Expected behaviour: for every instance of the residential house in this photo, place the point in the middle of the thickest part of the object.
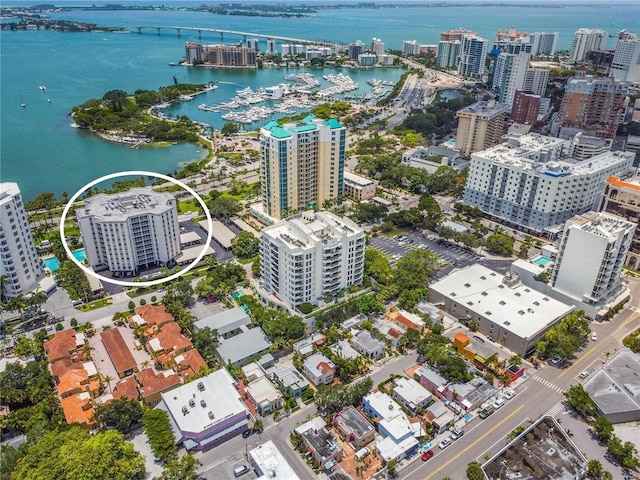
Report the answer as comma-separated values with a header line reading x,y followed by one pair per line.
x,y
264,396
319,369
153,385
243,348
126,388
67,344
410,394
368,345
320,442
357,429
168,343
344,350
253,372
305,347
189,363
118,352
290,381
440,416
77,408
404,319
80,377
431,380
150,317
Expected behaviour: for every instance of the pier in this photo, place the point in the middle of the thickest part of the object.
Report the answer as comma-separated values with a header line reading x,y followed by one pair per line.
x,y
222,33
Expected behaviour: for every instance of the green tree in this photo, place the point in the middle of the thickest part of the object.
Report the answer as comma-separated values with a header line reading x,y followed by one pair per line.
x,y
580,400
224,207
500,244
258,425
8,459
474,471
245,245
160,435
180,292
392,468
119,413
184,468
205,340
594,468
368,304
73,453
603,428
625,453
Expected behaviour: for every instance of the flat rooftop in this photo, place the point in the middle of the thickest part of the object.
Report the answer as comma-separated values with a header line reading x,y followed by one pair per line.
x,y
357,179
542,451
207,401
243,345
225,321
601,224
521,310
352,421
270,464
120,206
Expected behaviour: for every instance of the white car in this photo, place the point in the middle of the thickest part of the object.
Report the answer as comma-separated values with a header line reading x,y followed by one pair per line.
x,y
594,336
498,403
509,394
444,443
583,374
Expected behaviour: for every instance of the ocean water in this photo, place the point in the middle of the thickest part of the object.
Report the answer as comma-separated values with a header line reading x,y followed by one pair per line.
x,y
40,151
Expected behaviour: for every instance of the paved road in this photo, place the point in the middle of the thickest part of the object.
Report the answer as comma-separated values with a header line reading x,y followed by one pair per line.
x,y
218,463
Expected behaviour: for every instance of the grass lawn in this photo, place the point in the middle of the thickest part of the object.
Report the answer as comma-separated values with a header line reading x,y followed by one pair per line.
x,y
94,305
190,205
396,231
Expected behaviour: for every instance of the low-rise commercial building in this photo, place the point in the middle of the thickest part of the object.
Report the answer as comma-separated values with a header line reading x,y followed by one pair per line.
x,y
357,187
320,442
225,322
264,396
513,314
269,463
615,388
243,348
205,412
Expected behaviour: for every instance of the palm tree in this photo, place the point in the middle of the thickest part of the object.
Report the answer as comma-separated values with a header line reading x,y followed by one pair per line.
x,y
107,379
17,304
145,364
4,281
37,299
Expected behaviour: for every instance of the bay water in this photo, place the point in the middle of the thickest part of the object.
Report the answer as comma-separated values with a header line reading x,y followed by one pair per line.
x,y
40,151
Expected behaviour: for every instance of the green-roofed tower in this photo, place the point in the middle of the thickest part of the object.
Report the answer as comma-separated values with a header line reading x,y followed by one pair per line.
x,y
302,164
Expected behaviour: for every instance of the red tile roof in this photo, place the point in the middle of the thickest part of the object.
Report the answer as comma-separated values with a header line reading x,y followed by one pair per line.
x,y
395,333
62,366
153,383
154,314
77,409
61,345
171,339
127,388
118,351
191,363
324,367
406,322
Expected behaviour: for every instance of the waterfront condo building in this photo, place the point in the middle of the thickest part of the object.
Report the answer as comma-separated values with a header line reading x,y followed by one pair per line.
x,y
543,43
480,126
220,55
410,47
125,231
19,262
509,75
626,59
621,197
449,47
596,103
529,182
302,164
591,254
535,81
304,258
584,40
473,54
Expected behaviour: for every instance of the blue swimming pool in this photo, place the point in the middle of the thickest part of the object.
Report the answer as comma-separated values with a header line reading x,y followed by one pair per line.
x,y
542,261
53,264
236,294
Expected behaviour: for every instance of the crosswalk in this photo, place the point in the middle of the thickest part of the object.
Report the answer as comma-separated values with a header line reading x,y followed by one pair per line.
x,y
556,409
547,383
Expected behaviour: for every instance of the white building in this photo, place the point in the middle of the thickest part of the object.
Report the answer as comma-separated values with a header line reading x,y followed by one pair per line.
x,y
529,183
367,59
448,54
505,310
301,164
509,75
125,231
377,46
626,60
473,55
410,394
535,81
19,261
269,463
543,43
271,46
592,252
410,47
312,255
206,411
584,40
253,43
286,49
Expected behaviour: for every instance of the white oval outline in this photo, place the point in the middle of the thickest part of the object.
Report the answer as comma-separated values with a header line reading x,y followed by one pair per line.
x,y
126,174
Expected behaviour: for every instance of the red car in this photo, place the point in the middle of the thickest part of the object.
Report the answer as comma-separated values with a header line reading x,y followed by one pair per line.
x,y
427,455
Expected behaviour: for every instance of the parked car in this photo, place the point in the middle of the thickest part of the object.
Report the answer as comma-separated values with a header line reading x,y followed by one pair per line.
x,y
557,360
486,411
509,394
444,443
247,433
497,404
583,374
427,455
594,336
457,434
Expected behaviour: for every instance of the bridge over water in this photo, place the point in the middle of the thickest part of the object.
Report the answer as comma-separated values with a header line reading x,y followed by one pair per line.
x,y
222,33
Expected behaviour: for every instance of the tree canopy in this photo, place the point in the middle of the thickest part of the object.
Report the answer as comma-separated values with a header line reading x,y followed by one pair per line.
x,y
72,453
160,435
245,245
120,413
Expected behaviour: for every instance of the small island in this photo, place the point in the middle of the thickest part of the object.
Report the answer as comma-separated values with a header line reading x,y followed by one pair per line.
x,y
134,118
